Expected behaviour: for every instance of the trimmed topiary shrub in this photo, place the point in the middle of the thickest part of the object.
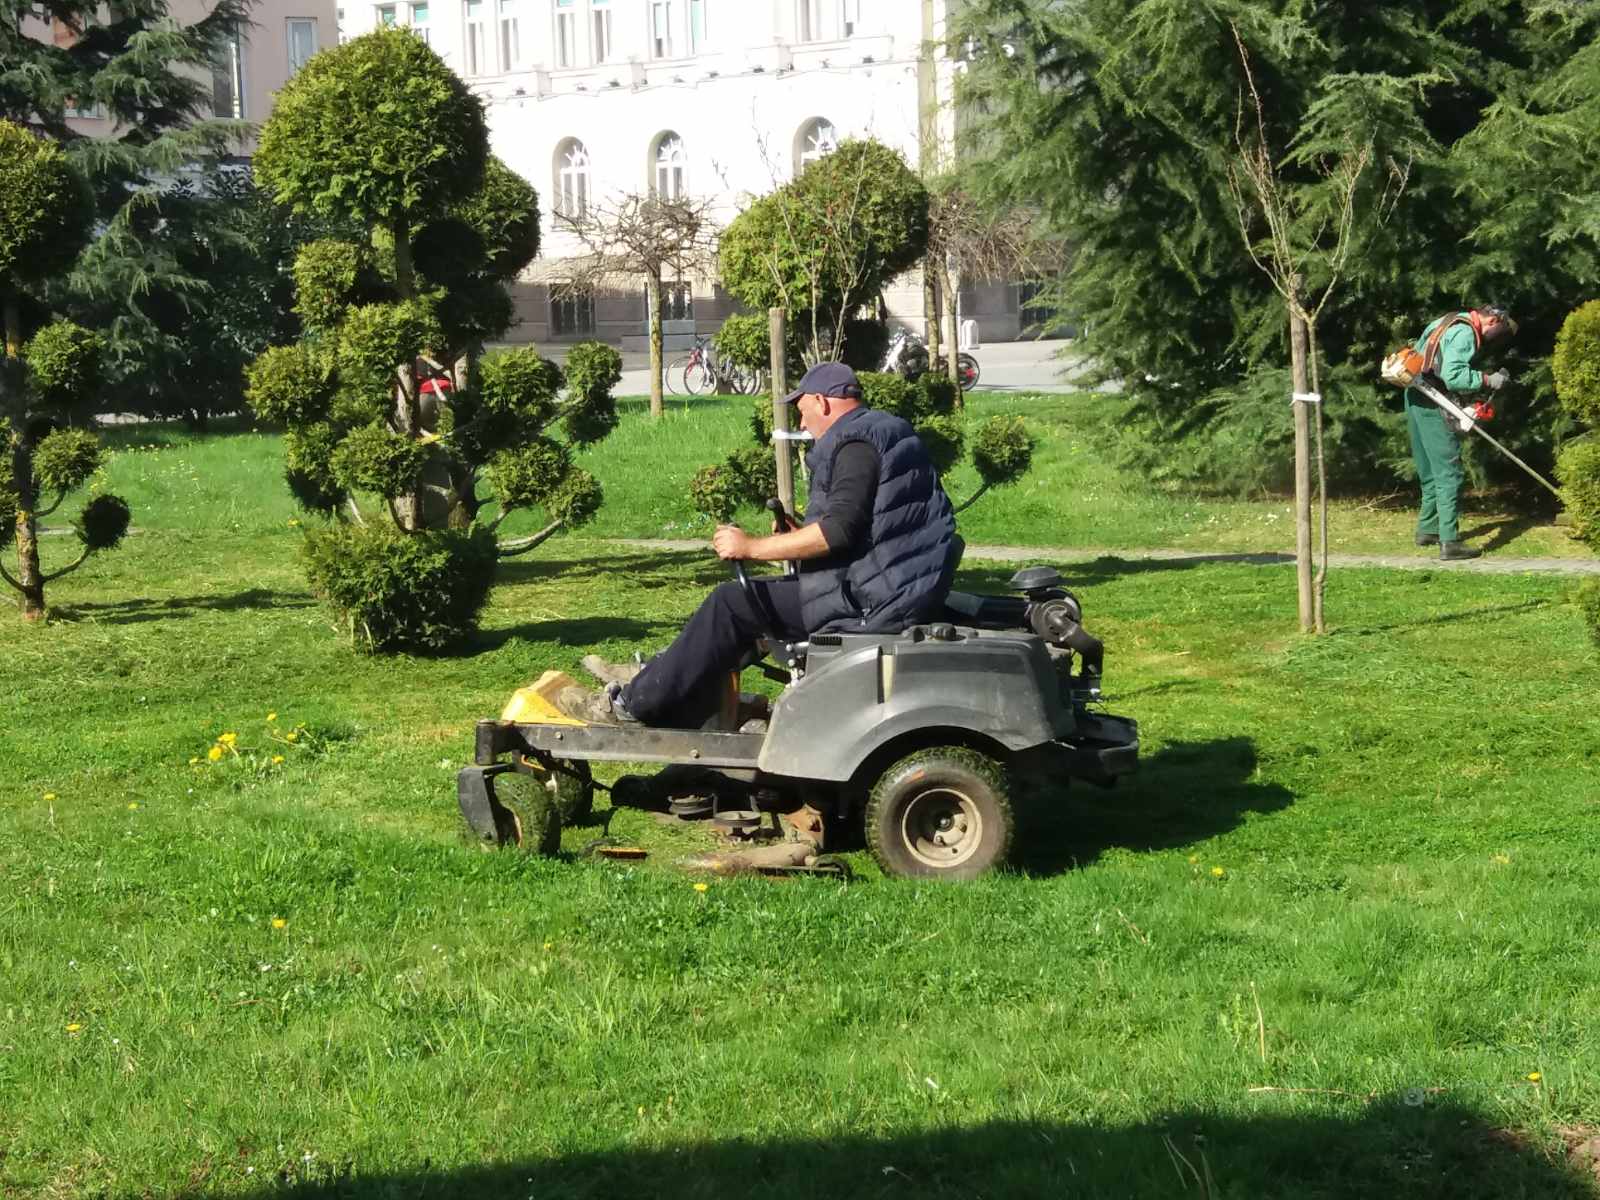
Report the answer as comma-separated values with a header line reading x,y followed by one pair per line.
x,y
1576,363
1576,367
865,344
1578,472
1588,600
745,339
393,590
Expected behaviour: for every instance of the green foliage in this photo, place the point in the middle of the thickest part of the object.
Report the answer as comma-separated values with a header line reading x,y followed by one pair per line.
x,y
377,339
103,522
888,392
1588,600
865,344
1578,472
392,590
829,240
748,475
329,275
378,130
592,370
1576,363
503,215
529,474
376,459
65,364
8,488
308,467
64,459
521,383
576,499
46,208
944,438
1002,450
288,385
745,340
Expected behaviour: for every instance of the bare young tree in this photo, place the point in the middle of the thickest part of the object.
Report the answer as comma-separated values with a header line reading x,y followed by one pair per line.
x,y
638,235
1293,251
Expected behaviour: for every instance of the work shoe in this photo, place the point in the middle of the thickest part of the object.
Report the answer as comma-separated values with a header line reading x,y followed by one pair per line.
x,y
1457,552
597,708
1427,539
607,672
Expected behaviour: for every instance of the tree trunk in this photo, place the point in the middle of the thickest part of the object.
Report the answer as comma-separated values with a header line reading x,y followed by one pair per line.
x,y
30,580
950,285
1319,586
652,292
13,319
1302,472
778,358
930,309
408,509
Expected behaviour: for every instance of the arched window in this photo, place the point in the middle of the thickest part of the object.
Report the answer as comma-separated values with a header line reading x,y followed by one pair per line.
x,y
671,168
572,178
817,139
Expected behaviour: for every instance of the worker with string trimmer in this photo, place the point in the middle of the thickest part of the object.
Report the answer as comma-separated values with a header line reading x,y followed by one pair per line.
x,y
1437,365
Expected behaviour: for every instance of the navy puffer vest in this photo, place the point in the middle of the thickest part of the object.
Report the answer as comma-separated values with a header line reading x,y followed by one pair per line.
x,y
902,572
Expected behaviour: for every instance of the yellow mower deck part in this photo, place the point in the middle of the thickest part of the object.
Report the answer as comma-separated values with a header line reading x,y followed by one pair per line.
x,y
536,703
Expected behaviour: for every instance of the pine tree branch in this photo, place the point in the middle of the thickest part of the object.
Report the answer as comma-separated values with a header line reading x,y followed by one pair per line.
x,y
970,500
52,576
523,545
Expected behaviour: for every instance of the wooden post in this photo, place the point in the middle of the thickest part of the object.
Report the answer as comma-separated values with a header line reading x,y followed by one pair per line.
x,y
777,325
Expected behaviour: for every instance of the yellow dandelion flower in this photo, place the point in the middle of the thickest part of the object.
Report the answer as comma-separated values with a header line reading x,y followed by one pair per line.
x,y
228,739
1194,858
292,736
700,887
195,761
1501,859
74,1027
272,716
132,804
278,922
549,945
49,797
1534,1077
276,759
1217,872
214,754
293,523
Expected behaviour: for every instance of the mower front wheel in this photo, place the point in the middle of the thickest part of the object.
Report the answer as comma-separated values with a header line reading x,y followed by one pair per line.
x,y
569,784
528,816
941,813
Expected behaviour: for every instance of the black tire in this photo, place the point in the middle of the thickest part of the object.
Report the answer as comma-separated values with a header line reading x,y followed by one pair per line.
x,y
942,813
533,818
967,369
674,370
573,796
698,378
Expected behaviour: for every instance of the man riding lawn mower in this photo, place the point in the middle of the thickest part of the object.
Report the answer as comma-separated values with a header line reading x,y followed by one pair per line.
x,y
898,692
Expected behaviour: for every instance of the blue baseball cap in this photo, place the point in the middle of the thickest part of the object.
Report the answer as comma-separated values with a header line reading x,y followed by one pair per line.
x,y
827,379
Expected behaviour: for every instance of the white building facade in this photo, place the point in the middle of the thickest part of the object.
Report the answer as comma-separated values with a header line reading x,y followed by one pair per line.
x,y
717,99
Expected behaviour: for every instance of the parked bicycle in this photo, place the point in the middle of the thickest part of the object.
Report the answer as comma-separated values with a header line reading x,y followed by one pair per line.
x,y
907,356
702,371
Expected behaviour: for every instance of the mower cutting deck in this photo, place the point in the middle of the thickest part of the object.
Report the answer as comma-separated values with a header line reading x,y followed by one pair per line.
x,y
916,732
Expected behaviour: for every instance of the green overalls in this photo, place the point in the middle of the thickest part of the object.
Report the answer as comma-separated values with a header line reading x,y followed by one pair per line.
x,y
1435,447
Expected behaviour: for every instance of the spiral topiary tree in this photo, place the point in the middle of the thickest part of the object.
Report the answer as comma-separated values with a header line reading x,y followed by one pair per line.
x,y
1576,367
394,418
1000,448
45,216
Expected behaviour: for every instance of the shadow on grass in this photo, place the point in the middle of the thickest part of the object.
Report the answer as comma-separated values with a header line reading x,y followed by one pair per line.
x,y
1469,614
139,609
576,631
1184,793
688,567
1503,531
1385,1148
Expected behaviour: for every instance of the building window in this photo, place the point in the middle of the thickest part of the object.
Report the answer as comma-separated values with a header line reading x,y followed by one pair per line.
x,y
572,178
571,312
600,44
566,34
661,28
227,80
477,42
302,41
677,300
697,26
386,16
808,20
849,17
817,139
339,26
510,42
672,168
419,23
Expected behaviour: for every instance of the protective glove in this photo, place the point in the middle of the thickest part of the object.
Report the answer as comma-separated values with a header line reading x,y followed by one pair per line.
x,y
1495,380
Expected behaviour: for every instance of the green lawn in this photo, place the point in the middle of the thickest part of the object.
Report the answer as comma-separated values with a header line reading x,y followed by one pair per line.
x,y
1332,941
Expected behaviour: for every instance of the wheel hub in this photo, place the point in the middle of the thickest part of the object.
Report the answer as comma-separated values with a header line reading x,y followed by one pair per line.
x,y
942,827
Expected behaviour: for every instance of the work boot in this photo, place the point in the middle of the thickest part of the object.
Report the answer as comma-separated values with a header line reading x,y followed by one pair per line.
x,y
1457,552
607,672
806,825
1427,539
597,708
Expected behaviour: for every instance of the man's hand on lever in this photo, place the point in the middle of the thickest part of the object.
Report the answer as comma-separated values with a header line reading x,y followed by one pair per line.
x,y
731,542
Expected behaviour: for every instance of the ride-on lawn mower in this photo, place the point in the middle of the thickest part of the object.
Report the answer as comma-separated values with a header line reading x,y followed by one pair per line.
x,y
915,733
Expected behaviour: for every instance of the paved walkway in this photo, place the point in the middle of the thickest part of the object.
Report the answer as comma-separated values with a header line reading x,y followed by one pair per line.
x,y
1493,564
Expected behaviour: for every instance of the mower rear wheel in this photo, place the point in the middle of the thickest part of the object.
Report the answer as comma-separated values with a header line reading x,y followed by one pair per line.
x,y
570,785
531,820
941,813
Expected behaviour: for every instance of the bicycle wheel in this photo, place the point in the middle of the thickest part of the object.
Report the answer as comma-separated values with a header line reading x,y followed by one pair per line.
x,y
967,370
673,372
697,376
